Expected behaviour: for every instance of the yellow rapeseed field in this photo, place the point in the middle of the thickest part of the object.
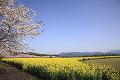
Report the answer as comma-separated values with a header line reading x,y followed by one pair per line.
x,y
64,68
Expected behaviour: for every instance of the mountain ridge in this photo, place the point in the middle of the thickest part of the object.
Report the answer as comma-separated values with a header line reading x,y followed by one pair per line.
x,y
88,53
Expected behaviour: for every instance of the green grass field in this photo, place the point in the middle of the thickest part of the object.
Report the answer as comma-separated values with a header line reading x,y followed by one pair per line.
x,y
114,62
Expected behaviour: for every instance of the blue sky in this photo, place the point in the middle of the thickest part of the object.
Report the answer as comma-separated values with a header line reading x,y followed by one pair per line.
x,y
76,25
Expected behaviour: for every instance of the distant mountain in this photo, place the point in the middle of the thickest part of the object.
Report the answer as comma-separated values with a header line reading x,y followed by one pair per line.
x,y
80,53
114,51
75,54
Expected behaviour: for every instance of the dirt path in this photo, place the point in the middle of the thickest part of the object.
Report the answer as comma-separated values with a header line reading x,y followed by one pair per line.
x,y
7,72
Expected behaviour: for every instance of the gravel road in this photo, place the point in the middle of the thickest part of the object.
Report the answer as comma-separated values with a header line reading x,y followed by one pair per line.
x,y
8,72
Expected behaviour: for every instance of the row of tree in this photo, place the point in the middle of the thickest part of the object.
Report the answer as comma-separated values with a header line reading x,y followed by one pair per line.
x,y
97,55
31,53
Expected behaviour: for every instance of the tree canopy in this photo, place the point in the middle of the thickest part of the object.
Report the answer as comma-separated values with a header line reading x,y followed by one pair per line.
x,y
16,23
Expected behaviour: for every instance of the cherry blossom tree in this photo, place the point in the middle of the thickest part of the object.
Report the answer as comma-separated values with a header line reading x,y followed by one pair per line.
x,y
16,23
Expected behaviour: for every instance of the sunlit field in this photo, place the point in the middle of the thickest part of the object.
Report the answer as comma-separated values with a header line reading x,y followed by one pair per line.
x,y
114,62
65,68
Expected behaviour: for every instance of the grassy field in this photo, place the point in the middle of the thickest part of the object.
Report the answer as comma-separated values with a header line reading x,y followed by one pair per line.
x,y
114,62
